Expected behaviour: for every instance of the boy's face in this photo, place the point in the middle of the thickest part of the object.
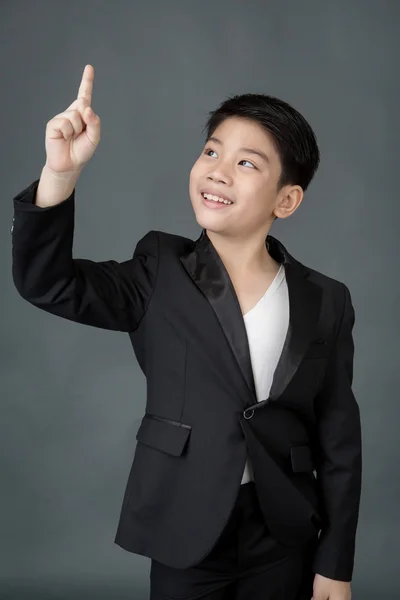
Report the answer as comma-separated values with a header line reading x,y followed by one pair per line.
x,y
248,180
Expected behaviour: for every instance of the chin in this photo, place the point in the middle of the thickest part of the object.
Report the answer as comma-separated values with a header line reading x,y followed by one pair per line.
x,y
211,222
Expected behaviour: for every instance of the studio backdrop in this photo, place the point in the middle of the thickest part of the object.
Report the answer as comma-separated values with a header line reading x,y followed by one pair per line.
x,y
72,396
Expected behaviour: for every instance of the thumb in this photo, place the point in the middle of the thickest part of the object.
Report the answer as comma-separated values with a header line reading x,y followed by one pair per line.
x,y
92,122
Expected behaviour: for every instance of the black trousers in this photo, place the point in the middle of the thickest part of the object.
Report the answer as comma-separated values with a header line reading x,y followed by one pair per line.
x,y
246,563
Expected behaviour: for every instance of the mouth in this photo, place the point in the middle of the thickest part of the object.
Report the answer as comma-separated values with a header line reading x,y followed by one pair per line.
x,y
214,201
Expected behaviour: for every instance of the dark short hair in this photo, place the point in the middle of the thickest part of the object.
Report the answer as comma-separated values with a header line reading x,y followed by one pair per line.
x,y
294,140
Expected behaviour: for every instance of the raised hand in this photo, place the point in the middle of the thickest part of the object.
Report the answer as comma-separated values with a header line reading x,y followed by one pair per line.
x,y
73,135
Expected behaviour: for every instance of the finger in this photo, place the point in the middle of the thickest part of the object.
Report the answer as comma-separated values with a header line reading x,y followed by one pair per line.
x,y
79,105
86,86
59,127
93,126
76,118
68,123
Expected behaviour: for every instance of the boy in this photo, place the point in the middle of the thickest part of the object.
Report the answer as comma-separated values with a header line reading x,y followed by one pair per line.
x,y
246,478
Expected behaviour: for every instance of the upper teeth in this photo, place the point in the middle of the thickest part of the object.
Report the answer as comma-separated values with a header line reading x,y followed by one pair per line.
x,y
216,199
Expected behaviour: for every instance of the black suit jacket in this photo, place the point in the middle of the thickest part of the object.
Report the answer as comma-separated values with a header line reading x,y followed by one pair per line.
x,y
176,301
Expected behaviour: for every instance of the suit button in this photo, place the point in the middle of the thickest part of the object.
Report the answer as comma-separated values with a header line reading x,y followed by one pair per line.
x,y
248,415
12,228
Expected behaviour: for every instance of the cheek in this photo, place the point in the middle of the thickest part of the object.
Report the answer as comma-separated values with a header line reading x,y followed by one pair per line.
x,y
255,200
192,181
197,175
195,171
193,186
192,176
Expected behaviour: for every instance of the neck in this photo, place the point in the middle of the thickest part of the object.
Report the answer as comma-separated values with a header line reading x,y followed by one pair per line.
x,y
243,256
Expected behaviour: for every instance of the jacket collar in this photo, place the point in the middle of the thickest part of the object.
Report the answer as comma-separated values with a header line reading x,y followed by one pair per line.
x,y
209,274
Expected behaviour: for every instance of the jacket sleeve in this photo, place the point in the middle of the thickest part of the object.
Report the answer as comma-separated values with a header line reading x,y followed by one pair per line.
x,y
339,456
109,294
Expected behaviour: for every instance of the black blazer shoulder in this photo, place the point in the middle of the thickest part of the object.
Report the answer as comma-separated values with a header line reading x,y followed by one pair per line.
x,y
335,292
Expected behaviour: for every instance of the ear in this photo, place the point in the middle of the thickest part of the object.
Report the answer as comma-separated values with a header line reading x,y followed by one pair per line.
x,y
288,201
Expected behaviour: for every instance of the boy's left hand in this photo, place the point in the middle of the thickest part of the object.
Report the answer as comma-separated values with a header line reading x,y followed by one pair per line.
x,y
330,589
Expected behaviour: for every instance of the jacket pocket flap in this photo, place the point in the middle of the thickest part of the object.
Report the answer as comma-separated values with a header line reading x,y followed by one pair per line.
x,y
162,434
301,458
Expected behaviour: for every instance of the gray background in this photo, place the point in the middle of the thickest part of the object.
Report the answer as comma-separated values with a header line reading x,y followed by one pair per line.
x,y
72,396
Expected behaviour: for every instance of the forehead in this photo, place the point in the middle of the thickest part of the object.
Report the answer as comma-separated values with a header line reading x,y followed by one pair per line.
x,y
238,131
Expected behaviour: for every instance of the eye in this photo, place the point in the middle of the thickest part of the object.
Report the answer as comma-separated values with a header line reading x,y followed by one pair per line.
x,y
208,150
247,161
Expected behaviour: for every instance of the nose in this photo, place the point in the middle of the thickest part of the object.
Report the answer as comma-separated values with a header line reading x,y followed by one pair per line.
x,y
220,174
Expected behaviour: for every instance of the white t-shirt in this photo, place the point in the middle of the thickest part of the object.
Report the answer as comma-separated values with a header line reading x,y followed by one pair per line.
x,y
267,325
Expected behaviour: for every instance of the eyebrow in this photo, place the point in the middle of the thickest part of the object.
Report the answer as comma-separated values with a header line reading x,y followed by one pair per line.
x,y
243,149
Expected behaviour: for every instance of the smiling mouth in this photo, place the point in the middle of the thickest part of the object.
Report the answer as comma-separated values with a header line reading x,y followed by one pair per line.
x,y
216,199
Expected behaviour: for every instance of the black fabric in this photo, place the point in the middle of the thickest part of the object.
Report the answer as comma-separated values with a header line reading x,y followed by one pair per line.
x,y
175,300
246,562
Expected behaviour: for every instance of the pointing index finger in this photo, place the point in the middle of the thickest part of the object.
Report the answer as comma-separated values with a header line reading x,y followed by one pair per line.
x,y
86,86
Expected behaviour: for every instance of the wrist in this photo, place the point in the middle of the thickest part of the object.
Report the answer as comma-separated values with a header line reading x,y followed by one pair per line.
x,y
54,187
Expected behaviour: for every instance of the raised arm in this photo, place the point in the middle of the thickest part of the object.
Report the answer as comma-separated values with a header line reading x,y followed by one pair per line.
x,y
107,294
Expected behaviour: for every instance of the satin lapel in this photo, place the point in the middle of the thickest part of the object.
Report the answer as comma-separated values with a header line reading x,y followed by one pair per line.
x,y
305,302
208,272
